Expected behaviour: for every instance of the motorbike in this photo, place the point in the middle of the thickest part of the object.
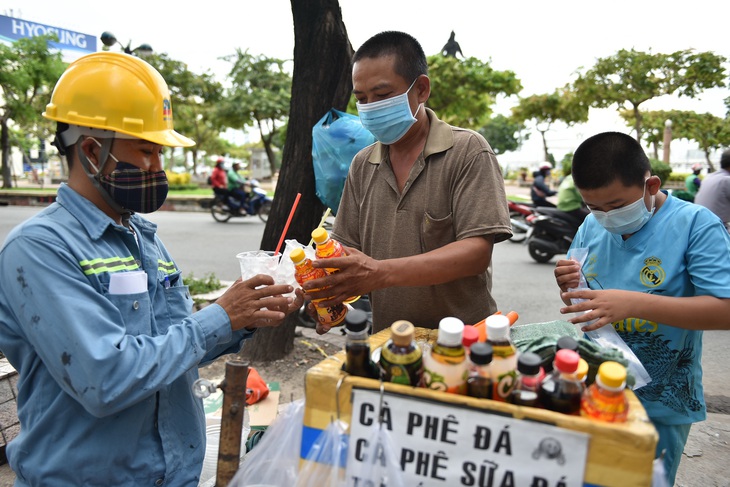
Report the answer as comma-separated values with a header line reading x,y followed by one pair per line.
x,y
551,233
226,206
518,213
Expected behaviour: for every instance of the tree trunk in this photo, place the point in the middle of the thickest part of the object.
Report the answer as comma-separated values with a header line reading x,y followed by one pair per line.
x,y
322,79
5,144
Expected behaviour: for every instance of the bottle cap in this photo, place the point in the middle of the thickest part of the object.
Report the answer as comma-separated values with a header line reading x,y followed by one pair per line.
x,y
528,363
497,327
481,353
566,361
402,332
470,336
320,235
582,370
356,320
297,255
451,331
612,375
566,343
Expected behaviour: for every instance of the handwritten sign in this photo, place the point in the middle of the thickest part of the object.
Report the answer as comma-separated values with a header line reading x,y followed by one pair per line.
x,y
446,445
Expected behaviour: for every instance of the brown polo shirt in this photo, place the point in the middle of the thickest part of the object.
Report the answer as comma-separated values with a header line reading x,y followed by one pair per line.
x,y
455,191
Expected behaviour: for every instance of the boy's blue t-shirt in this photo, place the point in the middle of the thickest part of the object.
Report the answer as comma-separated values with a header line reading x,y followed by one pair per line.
x,y
683,250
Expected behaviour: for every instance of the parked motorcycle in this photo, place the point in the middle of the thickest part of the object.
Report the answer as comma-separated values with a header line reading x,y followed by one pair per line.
x,y
518,213
226,206
551,233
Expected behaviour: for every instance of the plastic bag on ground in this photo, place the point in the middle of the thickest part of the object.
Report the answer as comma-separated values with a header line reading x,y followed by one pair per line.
x,y
607,336
274,461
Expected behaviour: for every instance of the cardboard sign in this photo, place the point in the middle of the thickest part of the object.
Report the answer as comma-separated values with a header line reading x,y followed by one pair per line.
x,y
445,445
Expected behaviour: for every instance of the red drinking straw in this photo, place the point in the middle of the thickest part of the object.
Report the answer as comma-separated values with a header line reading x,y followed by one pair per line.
x,y
288,221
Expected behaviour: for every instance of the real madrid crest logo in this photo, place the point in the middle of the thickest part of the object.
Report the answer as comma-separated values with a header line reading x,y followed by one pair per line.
x,y
652,273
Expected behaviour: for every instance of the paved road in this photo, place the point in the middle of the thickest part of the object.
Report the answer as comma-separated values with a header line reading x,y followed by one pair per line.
x,y
201,246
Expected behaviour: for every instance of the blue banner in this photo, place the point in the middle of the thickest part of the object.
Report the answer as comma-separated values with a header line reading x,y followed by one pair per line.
x,y
12,29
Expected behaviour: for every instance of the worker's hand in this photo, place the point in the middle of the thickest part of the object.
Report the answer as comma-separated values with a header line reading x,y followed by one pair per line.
x,y
249,307
358,275
603,306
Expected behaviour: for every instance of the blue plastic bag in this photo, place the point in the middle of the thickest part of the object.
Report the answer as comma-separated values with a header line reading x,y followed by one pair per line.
x,y
336,138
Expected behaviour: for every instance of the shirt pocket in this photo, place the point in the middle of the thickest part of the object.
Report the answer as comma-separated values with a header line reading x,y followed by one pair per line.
x,y
179,303
135,310
436,232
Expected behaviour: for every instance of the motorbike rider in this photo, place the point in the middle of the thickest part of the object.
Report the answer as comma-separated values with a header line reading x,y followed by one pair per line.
x,y
539,190
219,179
238,187
569,199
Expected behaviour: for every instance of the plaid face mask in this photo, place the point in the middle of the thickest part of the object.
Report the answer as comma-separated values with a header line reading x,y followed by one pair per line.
x,y
136,189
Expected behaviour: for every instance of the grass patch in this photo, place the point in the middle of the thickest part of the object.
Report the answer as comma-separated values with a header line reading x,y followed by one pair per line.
x,y
207,284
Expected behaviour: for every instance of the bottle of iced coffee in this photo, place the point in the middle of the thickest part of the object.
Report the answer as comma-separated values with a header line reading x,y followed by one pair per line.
x,y
479,380
504,360
401,360
303,272
445,367
357,344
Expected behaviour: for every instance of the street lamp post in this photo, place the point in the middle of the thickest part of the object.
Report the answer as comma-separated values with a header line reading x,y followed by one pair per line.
x,y
109,39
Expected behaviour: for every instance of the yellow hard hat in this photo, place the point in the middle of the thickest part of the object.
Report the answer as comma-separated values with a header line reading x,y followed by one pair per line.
x,y
118,92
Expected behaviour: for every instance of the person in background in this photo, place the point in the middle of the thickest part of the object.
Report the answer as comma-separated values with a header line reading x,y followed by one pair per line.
x,y
421,208
540,191
569,199
94,313
238,186
658,269
693,182
714,193
219,178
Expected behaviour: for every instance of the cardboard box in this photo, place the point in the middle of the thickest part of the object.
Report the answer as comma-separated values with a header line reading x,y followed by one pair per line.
x,y
619,455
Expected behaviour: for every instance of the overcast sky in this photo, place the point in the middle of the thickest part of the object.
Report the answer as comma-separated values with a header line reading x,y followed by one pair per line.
x,y
543,42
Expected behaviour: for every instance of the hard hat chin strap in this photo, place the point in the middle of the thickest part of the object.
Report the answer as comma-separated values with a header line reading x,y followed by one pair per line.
x,y
98,172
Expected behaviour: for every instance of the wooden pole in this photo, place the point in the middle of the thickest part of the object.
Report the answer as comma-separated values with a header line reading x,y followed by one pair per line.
x,y
234,403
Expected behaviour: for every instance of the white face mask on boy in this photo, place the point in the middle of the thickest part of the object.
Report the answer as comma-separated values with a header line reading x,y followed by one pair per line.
x,y
627,219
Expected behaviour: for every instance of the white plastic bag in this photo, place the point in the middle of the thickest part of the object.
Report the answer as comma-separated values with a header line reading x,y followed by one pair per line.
x,y
379,465
607,336
325,459
274,461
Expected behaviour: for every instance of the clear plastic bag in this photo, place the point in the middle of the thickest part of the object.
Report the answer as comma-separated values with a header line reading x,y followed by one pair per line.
x,y
326,458
274,462
607,336
379,465
336,138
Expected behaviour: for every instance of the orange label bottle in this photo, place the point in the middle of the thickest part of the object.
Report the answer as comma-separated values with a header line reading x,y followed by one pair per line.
x,y
605,399
329,248
303,272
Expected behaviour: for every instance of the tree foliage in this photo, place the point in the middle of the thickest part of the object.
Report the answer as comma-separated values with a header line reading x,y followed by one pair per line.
x,y
195,101
629,78
504,134
544,110
259,96
463,92
28,72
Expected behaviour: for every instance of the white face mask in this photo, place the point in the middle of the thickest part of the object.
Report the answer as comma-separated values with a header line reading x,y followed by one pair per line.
x,y
627,219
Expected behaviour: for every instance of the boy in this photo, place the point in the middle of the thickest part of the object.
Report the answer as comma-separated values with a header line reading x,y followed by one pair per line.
x,y
659,272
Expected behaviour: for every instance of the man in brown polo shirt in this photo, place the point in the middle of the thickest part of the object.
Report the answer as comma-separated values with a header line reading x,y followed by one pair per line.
x,y
422,208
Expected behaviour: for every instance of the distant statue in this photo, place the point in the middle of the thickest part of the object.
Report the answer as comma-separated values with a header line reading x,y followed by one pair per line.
x,y
452,47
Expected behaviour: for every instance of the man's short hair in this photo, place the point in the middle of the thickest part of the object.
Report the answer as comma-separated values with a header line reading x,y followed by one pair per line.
x,y
608,156
725,159
410,60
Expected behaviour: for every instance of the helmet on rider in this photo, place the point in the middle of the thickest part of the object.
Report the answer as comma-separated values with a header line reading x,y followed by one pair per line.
x,y
546,165
696,167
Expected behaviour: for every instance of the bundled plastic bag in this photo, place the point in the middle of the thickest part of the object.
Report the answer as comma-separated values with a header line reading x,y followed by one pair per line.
x,y
326,458
379,465
275,459
607,336
336,138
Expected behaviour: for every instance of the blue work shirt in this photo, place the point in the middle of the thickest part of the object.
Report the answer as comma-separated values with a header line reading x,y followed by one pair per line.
x,y
104,389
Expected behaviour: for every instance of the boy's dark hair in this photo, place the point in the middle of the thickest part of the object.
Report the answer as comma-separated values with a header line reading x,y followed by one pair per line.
x,y
410,60
725,159
608,156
